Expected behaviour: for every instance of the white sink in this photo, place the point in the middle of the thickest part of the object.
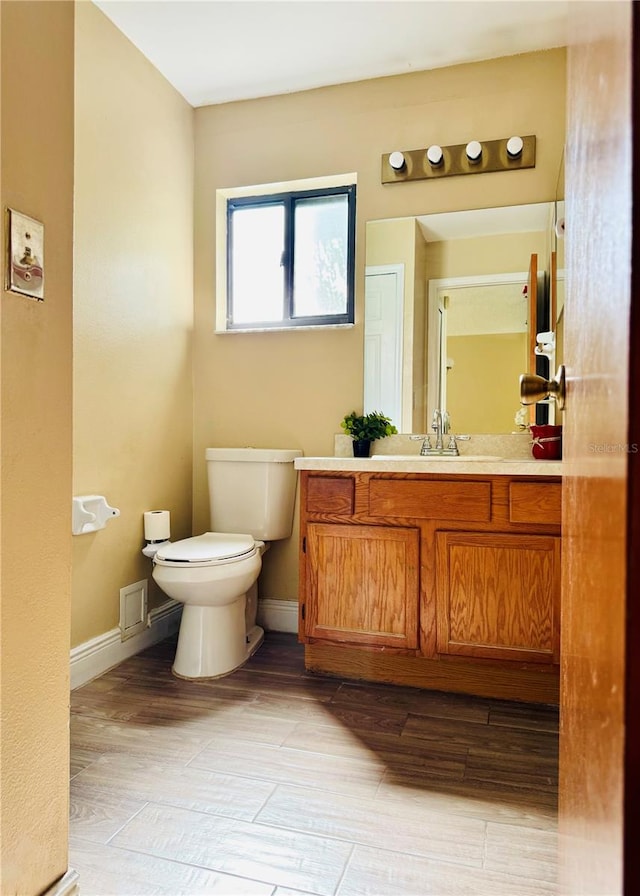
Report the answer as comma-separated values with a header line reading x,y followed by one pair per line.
x,y
438,457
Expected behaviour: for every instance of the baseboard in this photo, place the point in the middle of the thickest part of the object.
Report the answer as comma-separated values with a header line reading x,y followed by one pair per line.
x,y
278,615
102,653
67,885
96,656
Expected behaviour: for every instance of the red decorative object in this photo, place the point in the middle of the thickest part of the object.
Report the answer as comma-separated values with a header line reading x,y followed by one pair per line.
x,y
547,442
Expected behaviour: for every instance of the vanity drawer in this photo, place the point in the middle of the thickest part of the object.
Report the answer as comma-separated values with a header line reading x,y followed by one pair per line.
x,y
326,494
535,502
430,499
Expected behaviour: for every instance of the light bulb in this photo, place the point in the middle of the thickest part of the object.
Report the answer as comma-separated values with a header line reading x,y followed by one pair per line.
x,y
474,151
396,160
435,156
515,146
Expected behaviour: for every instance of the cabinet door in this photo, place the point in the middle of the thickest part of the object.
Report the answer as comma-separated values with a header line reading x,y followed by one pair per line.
x,y
362,585
498,596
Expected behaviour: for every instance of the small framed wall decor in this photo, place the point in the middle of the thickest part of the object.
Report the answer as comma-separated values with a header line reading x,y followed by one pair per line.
x,y
25,262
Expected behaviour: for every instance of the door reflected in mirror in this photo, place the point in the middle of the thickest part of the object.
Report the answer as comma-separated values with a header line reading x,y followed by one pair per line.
x,y
480,347
471,308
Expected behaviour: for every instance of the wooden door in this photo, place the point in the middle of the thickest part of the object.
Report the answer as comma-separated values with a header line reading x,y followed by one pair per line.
x,y
600,679
498,595
362,585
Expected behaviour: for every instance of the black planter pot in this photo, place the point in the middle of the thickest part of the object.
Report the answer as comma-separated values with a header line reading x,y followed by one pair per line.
x,y
361,447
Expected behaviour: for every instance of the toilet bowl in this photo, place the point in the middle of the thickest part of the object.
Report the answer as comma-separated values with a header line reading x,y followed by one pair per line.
x,y
214,575
211,575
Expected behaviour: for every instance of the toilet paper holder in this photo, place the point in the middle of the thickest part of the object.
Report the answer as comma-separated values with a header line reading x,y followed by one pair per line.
x,y
90,513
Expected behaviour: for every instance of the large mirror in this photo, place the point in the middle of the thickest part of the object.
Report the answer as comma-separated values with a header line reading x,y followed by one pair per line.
x,y
453,305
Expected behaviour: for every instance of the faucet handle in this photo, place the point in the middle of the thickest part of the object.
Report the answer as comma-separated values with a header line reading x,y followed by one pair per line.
x,y
426,443
453,439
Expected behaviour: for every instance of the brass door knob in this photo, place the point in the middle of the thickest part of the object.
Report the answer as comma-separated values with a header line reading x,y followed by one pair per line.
x,y
535,388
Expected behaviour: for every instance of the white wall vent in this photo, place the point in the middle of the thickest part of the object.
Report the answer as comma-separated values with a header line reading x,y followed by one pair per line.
x,y
133,609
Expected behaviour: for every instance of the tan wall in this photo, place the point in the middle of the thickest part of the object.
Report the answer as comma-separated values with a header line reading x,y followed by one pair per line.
x,y
292,389
391,242
37,179
481,362
505,253
133,313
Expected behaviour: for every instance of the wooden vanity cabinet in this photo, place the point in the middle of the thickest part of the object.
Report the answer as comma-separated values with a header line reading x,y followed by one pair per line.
x,y
451,583
497,596
362,584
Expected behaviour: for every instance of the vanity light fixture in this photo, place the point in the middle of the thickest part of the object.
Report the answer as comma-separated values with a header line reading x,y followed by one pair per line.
x,y
397,162
435,156
473,151
473,157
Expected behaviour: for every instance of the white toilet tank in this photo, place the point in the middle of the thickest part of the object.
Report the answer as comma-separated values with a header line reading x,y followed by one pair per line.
x,y
252,490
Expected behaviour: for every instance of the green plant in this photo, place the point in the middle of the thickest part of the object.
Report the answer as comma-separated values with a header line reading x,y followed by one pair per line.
x,y
368,427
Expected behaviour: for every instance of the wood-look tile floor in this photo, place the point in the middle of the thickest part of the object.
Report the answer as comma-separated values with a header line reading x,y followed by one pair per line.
x,y
275,782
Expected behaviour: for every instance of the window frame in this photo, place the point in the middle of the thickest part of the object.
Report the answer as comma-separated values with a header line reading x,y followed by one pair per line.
x,y
288,200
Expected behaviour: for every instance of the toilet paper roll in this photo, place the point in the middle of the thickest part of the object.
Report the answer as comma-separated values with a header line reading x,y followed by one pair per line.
x,y
157,525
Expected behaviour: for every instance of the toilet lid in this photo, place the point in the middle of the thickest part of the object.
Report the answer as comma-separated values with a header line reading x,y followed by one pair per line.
x,y
207,547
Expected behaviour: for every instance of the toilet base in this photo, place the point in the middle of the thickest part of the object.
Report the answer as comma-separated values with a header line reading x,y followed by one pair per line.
x,y
213,641
255,637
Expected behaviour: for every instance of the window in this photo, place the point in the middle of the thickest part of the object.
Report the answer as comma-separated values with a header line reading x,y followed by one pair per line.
x,y
290,259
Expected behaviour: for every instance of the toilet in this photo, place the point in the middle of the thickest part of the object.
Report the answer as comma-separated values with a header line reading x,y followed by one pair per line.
x,y
251,501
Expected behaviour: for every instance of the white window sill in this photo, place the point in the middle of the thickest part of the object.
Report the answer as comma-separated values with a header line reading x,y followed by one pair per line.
x,y
284,329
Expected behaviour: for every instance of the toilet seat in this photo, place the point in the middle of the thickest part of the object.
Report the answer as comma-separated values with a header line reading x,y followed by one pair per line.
x,y
209,549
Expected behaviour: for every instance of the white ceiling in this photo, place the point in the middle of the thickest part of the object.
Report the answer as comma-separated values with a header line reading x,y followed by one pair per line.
x,y
217,51
461,225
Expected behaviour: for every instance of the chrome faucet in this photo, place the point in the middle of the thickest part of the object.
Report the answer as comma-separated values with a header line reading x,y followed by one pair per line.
x,y
440,425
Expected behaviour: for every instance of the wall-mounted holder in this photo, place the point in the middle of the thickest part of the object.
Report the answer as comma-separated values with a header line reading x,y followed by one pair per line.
x,y
474,157
90,513
546,346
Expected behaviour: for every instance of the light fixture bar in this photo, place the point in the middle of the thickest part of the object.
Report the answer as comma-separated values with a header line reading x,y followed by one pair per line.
x,y
495,155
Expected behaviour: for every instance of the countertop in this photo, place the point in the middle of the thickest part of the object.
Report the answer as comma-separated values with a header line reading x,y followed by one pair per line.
x,y
449,467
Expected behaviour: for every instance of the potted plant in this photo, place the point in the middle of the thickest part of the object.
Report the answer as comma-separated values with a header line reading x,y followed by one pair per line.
x,y
365,429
